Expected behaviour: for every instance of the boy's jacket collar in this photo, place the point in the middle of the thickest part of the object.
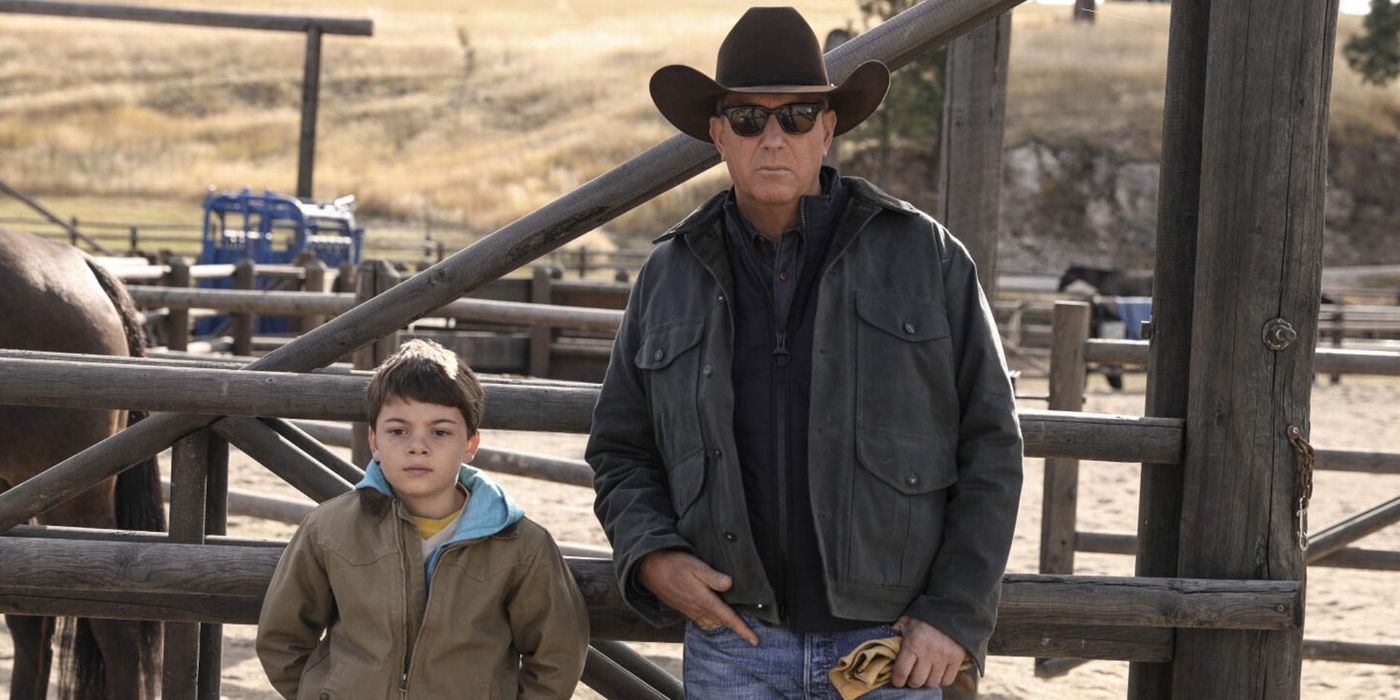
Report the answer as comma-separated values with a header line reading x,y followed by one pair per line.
x,y
489,510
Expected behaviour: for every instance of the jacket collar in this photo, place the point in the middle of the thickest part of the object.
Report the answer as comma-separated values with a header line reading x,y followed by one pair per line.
x,y
706,218
489,509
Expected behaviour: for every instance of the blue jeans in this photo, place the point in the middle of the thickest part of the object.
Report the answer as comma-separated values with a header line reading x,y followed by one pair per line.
x,y
785,664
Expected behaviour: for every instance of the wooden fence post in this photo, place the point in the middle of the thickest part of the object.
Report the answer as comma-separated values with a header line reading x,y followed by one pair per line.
x,y
211,641
974,115
541,337
1173,280
1254,328
244,277
177,321
1067,368
374,278
189,475
1339,333
314,281
1060,497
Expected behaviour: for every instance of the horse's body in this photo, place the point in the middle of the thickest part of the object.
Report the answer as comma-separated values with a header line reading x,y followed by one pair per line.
x,y
53,298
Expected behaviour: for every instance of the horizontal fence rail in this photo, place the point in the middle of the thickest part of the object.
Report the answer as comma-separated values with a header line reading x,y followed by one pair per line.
x,y
215,392
327,303
226,582
1327,360
229,20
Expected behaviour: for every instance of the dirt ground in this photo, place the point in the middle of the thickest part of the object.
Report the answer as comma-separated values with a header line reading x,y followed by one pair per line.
x,y
1356,606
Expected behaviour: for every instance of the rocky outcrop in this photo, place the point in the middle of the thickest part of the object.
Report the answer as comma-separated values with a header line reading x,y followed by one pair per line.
x,y
1082,205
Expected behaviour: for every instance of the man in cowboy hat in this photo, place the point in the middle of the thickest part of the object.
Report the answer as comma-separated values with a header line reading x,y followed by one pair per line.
x,y
806,438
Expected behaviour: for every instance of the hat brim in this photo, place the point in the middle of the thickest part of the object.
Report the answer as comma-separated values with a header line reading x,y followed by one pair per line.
x,y
687,97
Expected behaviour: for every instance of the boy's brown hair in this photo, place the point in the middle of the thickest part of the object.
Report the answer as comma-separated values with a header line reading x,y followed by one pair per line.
x,y
422,370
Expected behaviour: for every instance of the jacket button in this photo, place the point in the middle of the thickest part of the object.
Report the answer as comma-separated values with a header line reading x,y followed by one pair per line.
x,y
707,370
718,452
909,328
658,354
730,536
912,479
720,298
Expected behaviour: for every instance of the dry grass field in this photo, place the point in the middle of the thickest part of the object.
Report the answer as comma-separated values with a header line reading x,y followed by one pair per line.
x,y
476,113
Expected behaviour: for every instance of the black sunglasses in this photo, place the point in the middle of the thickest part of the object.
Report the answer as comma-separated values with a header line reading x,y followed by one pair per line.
x,y
795,118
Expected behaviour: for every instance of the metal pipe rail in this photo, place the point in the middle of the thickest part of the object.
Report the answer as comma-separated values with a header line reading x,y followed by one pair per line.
x,y
896,42
331,303
199,18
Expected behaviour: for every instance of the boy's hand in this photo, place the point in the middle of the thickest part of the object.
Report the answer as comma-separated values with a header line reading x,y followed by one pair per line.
x,y
688,586
927,657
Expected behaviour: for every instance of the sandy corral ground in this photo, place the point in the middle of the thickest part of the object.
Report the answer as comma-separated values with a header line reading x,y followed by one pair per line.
x,y
1358,606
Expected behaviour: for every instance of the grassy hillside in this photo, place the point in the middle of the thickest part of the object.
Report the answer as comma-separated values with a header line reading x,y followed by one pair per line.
x,y
476,112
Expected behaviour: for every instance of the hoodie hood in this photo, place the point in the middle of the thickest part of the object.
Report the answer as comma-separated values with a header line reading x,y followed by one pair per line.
x,y
489,510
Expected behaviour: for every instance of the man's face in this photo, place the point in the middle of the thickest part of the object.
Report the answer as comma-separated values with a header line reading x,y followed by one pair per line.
x,y
773,168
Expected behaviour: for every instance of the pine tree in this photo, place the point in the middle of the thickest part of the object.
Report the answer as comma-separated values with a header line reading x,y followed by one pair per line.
x,y
1375,52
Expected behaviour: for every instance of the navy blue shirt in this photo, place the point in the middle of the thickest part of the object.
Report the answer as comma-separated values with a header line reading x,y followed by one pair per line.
x,y
775,299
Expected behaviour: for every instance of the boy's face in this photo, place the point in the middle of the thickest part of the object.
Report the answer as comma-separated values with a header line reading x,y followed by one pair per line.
x,y
419,446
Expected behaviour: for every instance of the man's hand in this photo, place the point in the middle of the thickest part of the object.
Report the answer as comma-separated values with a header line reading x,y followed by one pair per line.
x,y
688,586
927,657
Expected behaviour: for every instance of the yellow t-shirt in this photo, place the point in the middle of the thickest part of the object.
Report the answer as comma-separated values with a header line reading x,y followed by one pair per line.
x,y
435,531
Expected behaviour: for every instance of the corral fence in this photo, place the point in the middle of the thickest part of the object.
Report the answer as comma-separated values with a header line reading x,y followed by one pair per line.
x,y
546,325
192,575
1074,351
426,245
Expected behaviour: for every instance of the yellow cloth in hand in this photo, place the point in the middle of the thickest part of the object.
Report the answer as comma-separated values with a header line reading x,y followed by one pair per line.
x,y
870,666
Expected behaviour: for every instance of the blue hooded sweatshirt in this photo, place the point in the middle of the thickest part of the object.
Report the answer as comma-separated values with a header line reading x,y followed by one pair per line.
x,y
489,510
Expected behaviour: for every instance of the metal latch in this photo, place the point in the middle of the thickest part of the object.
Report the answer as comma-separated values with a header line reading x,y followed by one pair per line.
x,y
1303,485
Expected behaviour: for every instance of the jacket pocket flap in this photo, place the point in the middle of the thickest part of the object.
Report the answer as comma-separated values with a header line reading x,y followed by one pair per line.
x,y
686,478
903,317
910,465
662,345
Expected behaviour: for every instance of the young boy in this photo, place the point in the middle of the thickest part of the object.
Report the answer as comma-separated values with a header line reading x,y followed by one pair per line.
x,y
427,581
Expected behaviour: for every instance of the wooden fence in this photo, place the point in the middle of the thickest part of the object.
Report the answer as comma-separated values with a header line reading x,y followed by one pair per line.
x,y
1330,547
1231,629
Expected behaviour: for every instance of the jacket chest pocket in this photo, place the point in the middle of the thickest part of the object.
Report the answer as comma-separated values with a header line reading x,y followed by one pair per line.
x,y
904,367
669,358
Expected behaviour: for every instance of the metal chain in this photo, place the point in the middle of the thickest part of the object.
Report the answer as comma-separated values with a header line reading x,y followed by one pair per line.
x,y
1303,486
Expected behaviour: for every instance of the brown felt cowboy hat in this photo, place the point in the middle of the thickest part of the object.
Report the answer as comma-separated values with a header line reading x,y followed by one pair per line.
x,y
770,50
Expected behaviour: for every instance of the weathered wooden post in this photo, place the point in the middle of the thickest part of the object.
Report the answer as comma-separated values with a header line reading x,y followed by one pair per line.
x,y
1067,368
189,473
314,280
135,237
177,321
1084,11
1060,497
375,278
974,111
1254,328
211,635
310,97
245,275
541,337
1169,359
834,38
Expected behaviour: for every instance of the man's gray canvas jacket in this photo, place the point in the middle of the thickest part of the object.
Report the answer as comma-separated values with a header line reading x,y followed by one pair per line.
x,y
914,446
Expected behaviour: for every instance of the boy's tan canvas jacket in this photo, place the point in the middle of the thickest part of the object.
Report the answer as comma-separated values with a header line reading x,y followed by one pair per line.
x,y
502,618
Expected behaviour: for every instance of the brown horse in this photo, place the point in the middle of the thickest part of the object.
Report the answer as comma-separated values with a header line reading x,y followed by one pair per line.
x,y
55,298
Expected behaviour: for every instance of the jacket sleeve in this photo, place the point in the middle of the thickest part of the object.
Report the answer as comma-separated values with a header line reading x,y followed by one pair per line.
x,y
549,626
980,516
633,500
297,609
